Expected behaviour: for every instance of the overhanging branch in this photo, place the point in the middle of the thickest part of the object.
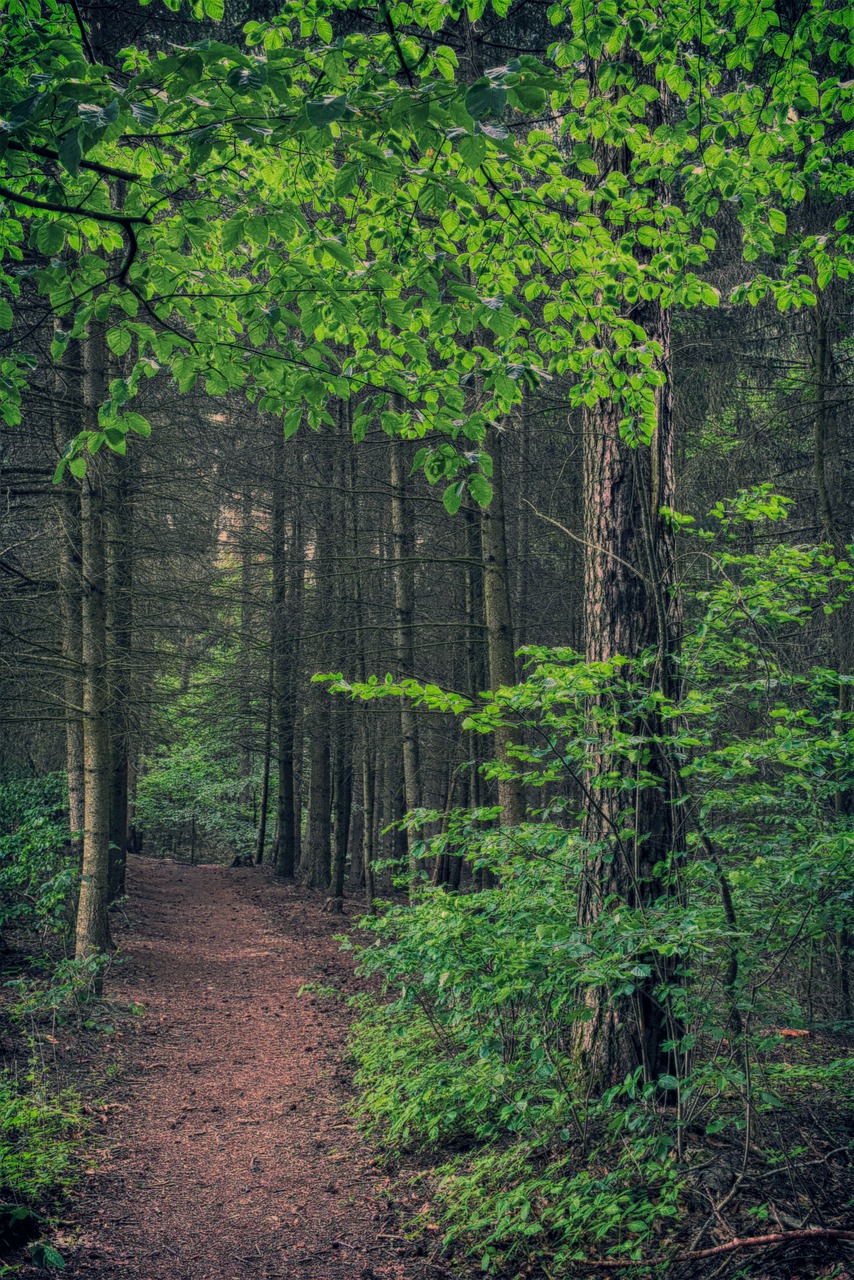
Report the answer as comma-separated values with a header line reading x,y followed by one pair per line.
x,y
106,170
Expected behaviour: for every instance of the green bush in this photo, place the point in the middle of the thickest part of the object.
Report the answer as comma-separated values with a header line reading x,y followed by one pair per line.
x,y
38,1140
39,877
475,1049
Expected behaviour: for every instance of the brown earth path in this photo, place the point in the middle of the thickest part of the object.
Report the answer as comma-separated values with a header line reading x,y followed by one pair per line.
x,y
228,1153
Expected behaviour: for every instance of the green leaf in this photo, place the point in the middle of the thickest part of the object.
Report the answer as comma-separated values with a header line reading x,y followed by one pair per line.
x,y
453,496
46,1257
473,150
136,422
777,221
291,422
119,340
71,153
50,238
323,111
6,317
480,489
485,99
144,114
77,466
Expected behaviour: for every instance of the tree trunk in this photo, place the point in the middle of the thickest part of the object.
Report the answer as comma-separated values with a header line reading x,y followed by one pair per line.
x,y
403,546
119,602
265,768
67,390
499,629
70,603
93,931
342,805
830,504
630,608
368,808
285,850
365,717
244,691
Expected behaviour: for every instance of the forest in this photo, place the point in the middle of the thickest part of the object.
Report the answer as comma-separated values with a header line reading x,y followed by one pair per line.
x,y
427,638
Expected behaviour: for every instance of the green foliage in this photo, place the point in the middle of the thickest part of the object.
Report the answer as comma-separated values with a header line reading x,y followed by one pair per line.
x,y
193,786
479,1039
38,874
385,274
59,990
39,1132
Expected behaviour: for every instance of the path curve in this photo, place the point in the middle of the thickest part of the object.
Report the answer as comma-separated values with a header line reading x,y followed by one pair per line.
x,y
229,1154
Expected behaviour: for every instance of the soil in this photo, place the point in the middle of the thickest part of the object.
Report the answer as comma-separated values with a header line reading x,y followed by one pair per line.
x,y
227,1150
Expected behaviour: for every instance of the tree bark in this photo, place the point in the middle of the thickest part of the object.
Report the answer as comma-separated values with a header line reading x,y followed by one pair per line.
x,y
285,849
318,861
499,629
93,931
70,604
119,608
67,392
630,607
403,545
265,768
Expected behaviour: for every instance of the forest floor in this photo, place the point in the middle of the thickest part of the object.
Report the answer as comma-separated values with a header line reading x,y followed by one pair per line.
x,y
224,1149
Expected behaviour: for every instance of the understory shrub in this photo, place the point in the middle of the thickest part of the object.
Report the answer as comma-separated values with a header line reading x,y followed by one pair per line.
x,y
39,1133
478,1049
39,878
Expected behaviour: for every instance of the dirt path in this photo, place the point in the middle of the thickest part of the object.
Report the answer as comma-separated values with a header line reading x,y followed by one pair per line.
x,y
229,1155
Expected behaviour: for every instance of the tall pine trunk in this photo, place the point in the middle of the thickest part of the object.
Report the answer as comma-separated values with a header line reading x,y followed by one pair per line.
x,y
499,628
67,393
93,932
282,678
119,610
403,547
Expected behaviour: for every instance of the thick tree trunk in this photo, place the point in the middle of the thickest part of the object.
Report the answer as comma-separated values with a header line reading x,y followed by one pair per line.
x,y
93,932
403,546
499,629
630,608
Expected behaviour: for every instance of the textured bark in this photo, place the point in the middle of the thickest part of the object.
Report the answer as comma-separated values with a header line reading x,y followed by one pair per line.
x,y
630,607
119,610
244,691
499,629
368,812
318,859
67,392
285,853
831,506
93,932
261,837
366,748
342,807
403,543
70,604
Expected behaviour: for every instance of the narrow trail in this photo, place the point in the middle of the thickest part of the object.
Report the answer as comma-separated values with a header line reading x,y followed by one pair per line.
x,y
228,1154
